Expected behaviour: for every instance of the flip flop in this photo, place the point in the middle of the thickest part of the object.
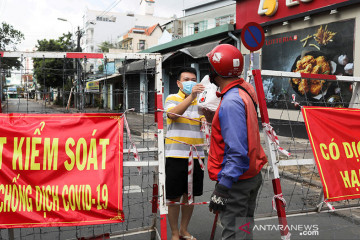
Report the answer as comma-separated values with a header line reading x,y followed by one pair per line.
x,y
186,237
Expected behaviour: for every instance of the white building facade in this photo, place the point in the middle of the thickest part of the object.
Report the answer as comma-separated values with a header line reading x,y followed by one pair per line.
x,y
207,14
102,26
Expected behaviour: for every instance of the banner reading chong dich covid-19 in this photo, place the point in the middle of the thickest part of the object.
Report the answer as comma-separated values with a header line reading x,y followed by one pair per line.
x,y
334,134
60,169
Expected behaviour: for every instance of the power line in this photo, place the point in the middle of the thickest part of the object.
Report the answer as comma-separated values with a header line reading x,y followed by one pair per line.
x,y
114,4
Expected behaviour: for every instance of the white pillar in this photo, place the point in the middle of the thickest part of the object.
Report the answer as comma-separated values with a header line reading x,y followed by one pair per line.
x,y
104,91
166,82
143,93
111,98
196,66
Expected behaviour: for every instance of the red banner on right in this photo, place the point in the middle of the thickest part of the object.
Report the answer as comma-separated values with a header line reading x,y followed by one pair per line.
x,y
334,134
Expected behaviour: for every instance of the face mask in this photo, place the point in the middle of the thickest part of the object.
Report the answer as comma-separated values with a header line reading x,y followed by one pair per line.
x,y
187,87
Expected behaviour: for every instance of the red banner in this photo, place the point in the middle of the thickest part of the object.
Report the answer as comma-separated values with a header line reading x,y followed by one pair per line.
x,y
60,169
334,134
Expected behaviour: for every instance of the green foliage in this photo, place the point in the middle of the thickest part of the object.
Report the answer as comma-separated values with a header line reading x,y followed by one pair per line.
x,y
9,39
105,46
101,68
52,72
99,102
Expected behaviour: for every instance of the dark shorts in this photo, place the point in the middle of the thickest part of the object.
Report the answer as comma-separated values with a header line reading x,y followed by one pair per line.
x,y
176,172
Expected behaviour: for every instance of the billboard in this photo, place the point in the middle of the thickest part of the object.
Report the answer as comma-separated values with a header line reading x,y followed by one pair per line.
x,y
92,86
322,49
272,11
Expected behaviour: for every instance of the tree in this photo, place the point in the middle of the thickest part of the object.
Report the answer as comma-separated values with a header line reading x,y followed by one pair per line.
x,y
105,46
51,72
9,39
101,69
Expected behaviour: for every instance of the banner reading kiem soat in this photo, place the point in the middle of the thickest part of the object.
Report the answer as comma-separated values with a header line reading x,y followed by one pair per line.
x,y
334,134
60,169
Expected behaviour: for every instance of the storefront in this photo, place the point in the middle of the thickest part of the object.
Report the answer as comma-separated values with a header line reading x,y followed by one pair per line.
x,y
305,30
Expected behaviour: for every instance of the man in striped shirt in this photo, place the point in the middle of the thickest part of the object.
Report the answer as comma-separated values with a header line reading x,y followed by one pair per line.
x,y
181,133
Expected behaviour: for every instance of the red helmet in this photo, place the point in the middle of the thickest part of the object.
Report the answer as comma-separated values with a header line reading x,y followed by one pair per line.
x,y
226,60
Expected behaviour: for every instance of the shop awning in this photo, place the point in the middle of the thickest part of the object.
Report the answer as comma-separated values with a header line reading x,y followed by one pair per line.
x,y
198,51
106,77
139,65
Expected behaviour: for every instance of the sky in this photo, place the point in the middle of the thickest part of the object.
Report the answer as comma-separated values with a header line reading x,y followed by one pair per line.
x,y
37,19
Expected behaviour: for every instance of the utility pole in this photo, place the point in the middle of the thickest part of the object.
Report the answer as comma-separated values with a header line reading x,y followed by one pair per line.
x,y
79,34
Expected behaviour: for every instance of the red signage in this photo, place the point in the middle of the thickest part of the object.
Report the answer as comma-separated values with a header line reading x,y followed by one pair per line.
x,y
334,134
60,169
262,11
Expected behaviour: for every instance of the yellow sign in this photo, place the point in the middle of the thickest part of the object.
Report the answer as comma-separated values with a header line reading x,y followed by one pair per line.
x,y
92,86
270,7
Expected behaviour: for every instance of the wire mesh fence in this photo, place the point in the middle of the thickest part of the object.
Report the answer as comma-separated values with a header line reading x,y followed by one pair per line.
x,y
137,87
301,191
131,94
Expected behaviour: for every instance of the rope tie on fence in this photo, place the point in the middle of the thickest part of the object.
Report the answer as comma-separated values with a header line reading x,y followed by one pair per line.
x,y
186,204
191,171
286,237
168,203
281,198
132,147
273,137
195,120
205,128
296,104
331,207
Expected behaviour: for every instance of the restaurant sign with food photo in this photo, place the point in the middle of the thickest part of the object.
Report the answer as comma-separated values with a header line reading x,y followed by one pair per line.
x,y
323,49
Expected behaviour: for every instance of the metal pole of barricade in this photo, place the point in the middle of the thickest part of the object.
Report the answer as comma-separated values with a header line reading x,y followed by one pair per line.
x,y
161,149
280,206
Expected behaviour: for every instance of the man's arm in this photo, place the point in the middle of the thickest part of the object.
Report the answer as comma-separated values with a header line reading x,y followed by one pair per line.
x,y
181,107
232,117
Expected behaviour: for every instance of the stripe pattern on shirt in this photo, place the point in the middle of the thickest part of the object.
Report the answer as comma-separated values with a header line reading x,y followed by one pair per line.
x,y
182,129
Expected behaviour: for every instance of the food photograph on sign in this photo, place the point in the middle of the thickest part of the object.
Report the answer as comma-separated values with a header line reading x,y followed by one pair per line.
x,y
322,49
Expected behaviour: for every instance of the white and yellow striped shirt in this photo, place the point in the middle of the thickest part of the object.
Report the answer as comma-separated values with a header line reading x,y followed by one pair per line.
x,y
182,129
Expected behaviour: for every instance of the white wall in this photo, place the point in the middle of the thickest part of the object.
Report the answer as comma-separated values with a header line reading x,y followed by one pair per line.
x,y
165,37
207,15
196,7
110,31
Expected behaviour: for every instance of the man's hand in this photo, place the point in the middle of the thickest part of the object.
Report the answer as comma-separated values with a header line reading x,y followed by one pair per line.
x,y
198,88
203,121
219,198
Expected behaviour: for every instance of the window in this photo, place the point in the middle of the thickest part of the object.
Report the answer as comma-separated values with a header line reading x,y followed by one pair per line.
x,y
199,27
229,19
106,19
141,45
196,27
127,45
